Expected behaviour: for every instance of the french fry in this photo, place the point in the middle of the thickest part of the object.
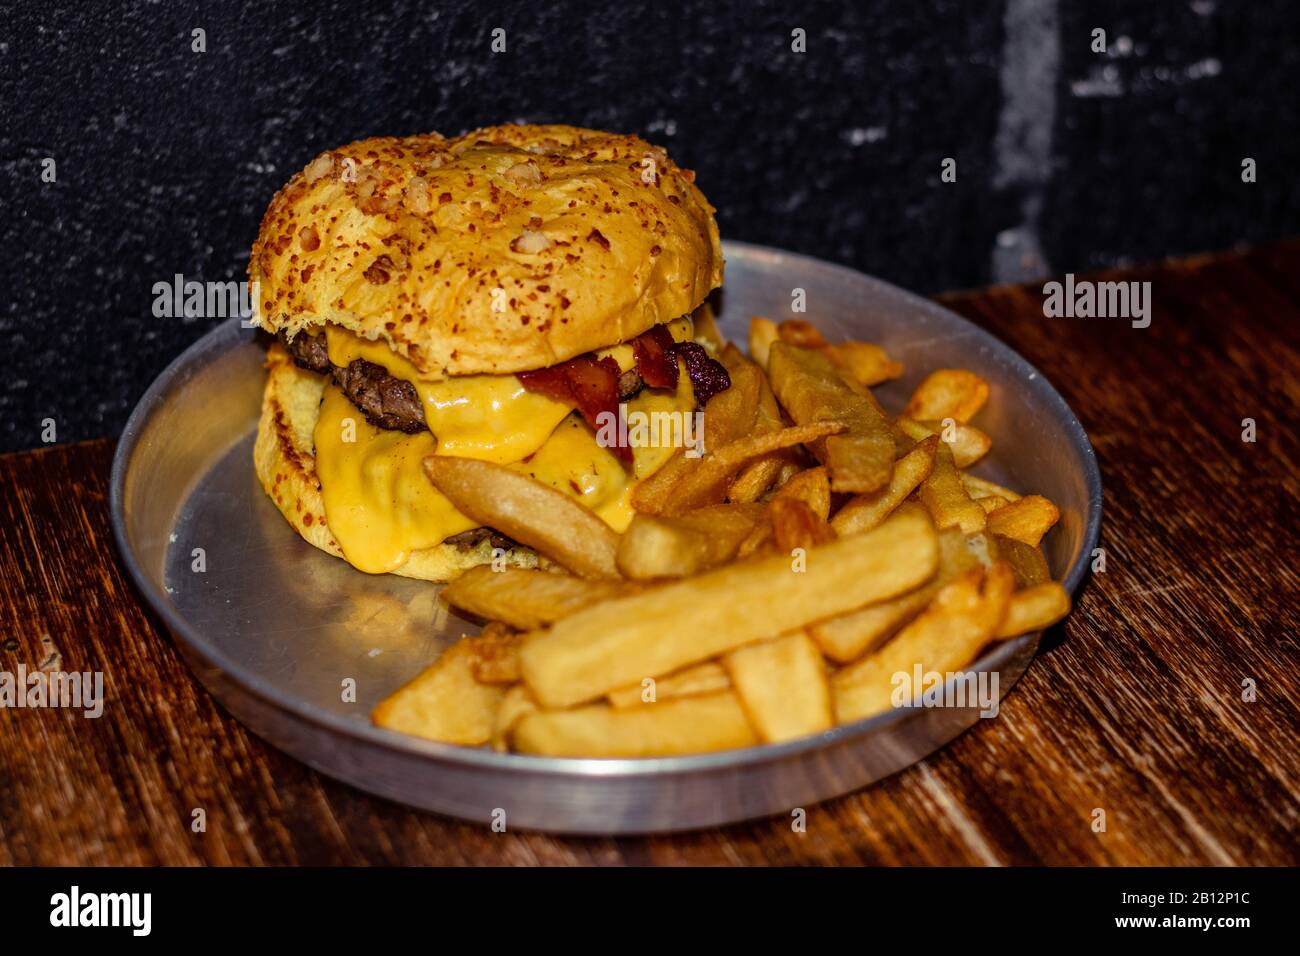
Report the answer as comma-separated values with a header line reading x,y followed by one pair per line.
x,y
991,503
967,443
525,598
762,333
515,704
1034,609
655,547
863,362
983,548
812,487
728,416
978,487
948,393
810,389
496,655
707,482
683,725
945,497
528,511
444,701
756,477
650,495
782,686
760,540
1027,519
738,607
795,525
618,643
699,679
848,636
1026,561
707,332
864,512
800,333
948,635
768,414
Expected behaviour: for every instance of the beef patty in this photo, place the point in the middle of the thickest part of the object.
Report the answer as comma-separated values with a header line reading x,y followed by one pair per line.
x,y
387,402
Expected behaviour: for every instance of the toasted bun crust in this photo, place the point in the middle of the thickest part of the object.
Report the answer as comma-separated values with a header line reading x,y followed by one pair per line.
x,y
506,249
284,459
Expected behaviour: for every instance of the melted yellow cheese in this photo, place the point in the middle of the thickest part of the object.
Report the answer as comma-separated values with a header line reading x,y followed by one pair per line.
x,y
379,505
573,461
492,417
378,502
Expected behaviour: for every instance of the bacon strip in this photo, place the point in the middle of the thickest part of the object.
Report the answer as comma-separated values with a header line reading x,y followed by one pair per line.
x,y
656,362
587,383
591,385
708,375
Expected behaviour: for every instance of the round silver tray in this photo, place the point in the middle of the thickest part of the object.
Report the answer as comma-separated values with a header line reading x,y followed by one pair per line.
x,y
274,628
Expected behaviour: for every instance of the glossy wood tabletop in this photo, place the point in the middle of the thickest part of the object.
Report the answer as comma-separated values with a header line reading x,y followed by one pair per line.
x,y
1168,700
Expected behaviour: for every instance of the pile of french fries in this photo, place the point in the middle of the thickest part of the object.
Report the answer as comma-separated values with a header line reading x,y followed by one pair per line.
x,y
770,589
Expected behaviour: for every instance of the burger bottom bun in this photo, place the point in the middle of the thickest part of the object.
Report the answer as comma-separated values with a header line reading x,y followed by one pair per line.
x,y
284,458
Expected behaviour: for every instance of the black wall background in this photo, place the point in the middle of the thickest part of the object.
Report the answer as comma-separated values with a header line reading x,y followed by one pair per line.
x,y
1067,159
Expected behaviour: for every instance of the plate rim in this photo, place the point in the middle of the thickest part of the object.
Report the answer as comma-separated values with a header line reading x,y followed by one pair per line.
x,y
623,767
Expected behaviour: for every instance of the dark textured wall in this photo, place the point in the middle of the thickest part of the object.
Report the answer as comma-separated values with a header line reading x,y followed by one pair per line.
x,y
165,158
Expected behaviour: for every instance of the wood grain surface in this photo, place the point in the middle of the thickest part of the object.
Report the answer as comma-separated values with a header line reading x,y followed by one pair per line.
x,y
1135,706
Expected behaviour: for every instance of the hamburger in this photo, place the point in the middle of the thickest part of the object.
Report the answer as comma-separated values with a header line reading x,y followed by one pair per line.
x,y
485,296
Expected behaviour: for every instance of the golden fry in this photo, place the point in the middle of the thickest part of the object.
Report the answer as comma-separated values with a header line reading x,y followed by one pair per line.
x,y
525,598
795,525
707,332
515,704
1034,609
967,443
864,512
756,477
945,497
759,475
782,686
532,513
848,636
762,333
1027,519
728,416
863,363
496,654
948,393
800,333
812,487
948,635
1026,561
655,547
978,488
699,679
810,389
618,643
683,725
707,483
444,701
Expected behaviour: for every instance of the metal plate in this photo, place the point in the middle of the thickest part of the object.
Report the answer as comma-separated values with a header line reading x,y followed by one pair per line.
x,y
273,627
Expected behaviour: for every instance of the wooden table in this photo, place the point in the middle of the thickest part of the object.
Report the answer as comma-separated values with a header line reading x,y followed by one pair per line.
x,y
1134,707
